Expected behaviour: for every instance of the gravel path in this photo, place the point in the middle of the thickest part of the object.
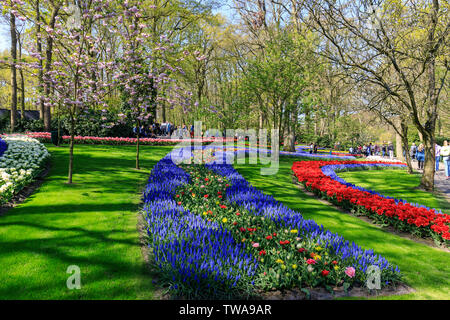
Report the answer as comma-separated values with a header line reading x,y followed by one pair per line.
x,y
440,180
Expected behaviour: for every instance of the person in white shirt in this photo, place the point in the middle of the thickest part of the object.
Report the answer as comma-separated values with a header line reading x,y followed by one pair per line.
x,y
445,153
437,149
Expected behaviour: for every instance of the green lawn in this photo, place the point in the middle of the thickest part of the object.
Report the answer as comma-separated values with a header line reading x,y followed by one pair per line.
x,y
91,224
398,184
425,269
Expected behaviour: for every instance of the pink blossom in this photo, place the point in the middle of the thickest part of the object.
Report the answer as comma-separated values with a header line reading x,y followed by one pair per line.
x,y
350,271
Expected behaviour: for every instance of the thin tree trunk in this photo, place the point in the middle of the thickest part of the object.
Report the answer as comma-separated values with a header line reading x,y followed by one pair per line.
x,y
13,71
48,67
405,143
41,67
429,169
72,140
137,144
22,84
59,125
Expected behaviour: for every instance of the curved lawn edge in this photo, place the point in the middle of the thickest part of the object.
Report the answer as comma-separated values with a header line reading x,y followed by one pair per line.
x,y
420,221
330,170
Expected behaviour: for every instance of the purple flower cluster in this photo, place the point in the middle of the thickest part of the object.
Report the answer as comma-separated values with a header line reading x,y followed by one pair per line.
x,y
198,255
330,171
3,147
191,251
244,195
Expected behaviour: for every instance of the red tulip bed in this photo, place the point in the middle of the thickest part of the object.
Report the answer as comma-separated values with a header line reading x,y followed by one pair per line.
x,y
46,138
420,221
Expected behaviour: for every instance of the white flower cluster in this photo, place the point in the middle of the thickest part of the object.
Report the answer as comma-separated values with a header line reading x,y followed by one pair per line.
x,y
20,163
381,159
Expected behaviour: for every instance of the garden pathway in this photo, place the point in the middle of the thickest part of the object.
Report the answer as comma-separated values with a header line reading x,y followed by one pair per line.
x,y
440,180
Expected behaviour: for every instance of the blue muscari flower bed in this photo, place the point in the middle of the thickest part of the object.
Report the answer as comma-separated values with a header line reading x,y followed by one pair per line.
x,y
192,252
3,146
200,255
330,171
243,194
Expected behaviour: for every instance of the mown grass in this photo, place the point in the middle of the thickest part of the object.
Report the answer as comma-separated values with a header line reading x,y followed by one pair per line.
x,y
426,269
90,224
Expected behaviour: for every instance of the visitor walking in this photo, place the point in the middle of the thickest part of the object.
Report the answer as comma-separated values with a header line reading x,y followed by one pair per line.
x,y
437,149
412,151
445,153
420,156
384,149
391,150
369,149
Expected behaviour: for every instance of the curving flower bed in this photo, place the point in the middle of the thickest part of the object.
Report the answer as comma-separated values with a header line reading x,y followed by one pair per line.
x,y
320,177
212,233
46,138
22,161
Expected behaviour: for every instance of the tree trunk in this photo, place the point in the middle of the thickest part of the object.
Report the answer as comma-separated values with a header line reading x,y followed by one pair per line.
x,y
41,67
405,143
428,132
72,140
429,168
137,144
399,146
13,71
22,85
48,67
59,125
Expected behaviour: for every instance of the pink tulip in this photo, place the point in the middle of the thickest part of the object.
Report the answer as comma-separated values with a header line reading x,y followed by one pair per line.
x,y
350,271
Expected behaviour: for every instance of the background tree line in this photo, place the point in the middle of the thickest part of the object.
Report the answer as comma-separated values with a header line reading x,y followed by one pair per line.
x,y
321,71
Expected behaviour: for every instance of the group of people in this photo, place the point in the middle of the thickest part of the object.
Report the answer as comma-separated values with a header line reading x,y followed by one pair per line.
x,y
418,153
384,150
166,129
313,148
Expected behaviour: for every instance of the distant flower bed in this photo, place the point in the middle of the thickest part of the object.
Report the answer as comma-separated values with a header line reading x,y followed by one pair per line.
x,y
22,161
319,177
211,232
46,137
3,146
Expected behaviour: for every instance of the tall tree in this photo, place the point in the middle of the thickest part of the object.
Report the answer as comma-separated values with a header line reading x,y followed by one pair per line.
x,y
13,32
370,39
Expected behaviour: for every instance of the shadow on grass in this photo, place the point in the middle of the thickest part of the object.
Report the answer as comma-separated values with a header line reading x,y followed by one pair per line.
x,y
91,224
